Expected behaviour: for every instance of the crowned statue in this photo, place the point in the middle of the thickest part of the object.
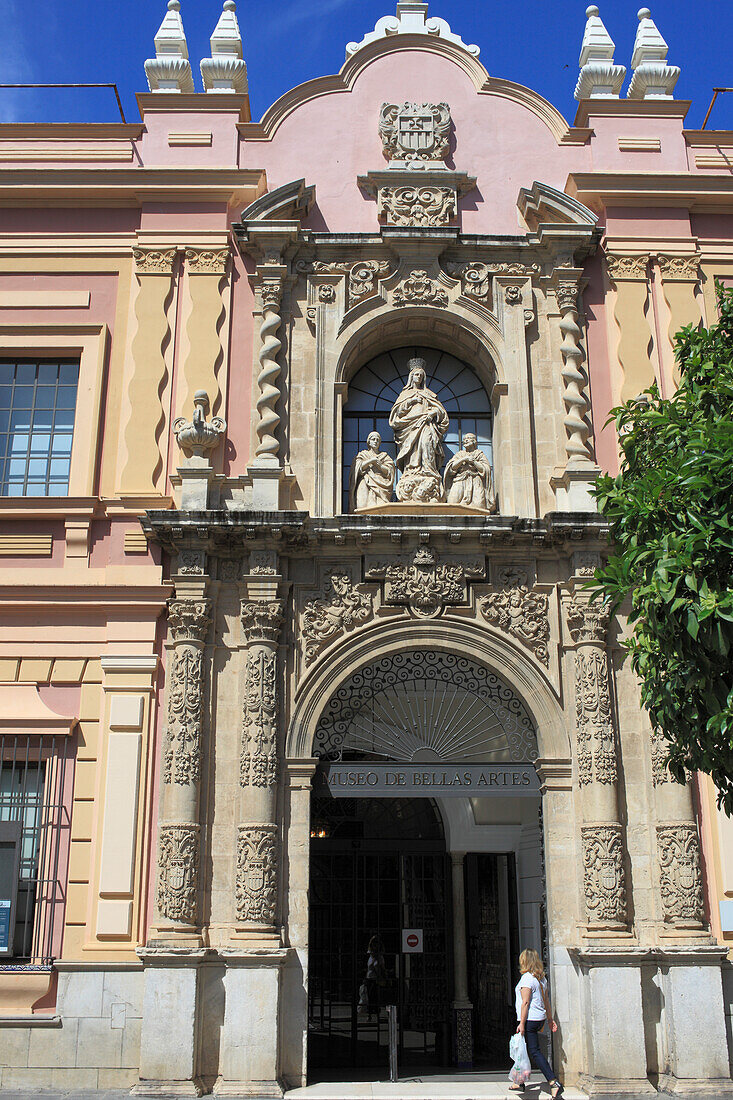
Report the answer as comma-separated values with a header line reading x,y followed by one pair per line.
x,y
468,479
419,423
372,476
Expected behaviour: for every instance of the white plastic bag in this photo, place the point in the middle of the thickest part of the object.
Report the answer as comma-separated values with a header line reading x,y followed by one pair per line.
x,y
521,1071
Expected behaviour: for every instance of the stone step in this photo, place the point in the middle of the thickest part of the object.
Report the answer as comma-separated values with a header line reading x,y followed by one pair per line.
x,y
485,1086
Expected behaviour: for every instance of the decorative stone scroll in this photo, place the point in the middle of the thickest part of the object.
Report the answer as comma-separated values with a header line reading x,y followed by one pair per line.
x,y
323,620
604,877
361,276
626,267
678,850
685,268
257,867
425,584
596,740
521,612
207,261
189,622
415,134
418,288
178,872
476,276
426,205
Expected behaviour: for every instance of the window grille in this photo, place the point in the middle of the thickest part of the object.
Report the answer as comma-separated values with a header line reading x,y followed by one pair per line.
x,y
35,804
37,408
376,386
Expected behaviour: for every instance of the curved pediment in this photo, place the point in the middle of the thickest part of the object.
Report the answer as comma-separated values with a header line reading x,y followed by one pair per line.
x,y
542,204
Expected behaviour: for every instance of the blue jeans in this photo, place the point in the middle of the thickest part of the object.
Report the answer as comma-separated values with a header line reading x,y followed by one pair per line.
x,y
536,1057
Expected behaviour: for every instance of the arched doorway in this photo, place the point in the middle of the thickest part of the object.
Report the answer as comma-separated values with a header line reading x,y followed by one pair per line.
x,y
424,820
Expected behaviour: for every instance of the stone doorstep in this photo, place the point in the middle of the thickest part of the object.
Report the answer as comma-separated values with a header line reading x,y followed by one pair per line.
x,y
427,1089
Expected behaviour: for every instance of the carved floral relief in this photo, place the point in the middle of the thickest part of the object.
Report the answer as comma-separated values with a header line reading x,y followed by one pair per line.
x,y
596,740
345,605
425,584
521,612
418,288
258,759
678,850
604,878
256,884
178,868
418,205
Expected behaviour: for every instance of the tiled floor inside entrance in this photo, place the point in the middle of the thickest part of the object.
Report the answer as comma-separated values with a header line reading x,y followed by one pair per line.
x,y
484,1086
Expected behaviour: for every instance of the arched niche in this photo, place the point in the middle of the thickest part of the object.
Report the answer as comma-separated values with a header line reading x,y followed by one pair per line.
x,y
377,384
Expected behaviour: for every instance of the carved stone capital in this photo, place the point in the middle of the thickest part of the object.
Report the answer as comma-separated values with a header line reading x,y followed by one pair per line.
x,y
588,622
679,268
521,612
257,871
261,620
207,261
344,606
271,291
626,267
604,876
567,296
189,620
178,872
680,879
154,261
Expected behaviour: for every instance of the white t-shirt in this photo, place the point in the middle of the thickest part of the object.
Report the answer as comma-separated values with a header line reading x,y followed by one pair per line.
x,y
536,1003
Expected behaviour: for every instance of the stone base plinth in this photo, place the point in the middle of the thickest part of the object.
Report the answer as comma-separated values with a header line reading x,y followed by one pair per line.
x,y
259,1089
674,1086
166,1089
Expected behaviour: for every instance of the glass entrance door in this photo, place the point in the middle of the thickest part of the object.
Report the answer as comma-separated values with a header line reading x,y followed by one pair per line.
x,y
377,868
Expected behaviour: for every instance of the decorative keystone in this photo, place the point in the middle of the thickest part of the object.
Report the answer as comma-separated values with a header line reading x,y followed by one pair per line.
x,y
653,78
170,69
225,70
599,77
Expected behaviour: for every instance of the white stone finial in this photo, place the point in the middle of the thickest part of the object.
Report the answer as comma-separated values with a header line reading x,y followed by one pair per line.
x,y
411,18
225,70
653,78
599,77
170,69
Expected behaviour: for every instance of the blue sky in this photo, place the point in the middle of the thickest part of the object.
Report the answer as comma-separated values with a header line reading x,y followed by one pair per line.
x,y
533,42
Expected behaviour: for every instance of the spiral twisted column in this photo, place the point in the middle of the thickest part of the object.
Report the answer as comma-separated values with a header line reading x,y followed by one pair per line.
x,y
574,377
268,445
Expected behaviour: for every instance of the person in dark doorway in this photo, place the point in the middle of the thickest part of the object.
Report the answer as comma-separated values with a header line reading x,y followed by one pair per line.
x,y
376,976
533,1011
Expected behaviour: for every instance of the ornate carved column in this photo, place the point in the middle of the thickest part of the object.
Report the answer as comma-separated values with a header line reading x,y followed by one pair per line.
x,y
604,863
154,268
258,841
462,1007
681,895
573,485
179,855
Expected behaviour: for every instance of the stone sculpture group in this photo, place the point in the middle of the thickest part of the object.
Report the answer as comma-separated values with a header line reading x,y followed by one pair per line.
x,y
419,423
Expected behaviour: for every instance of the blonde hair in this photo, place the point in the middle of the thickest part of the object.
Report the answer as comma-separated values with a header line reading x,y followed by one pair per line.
x,y
531,963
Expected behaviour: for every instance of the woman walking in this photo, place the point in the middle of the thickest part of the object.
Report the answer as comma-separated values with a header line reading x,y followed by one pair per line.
x,y
533,1009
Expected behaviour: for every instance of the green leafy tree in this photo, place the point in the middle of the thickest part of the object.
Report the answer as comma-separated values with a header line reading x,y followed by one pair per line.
x,y
671,515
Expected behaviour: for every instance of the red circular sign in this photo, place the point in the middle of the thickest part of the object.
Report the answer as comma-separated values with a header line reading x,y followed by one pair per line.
x,y
412,940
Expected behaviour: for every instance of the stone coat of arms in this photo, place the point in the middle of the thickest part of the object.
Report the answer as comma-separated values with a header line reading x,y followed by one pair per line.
x,y
415,133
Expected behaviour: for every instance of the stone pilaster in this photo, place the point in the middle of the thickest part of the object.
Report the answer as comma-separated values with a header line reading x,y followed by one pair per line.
x,y
462,1007
603,848
206,270
179,844
629,276
681,895
258,837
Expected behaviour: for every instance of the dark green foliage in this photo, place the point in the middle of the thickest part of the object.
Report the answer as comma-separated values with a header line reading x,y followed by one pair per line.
x,y
671,516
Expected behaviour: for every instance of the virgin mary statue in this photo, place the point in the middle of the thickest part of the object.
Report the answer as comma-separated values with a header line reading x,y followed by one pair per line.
x,y
419,423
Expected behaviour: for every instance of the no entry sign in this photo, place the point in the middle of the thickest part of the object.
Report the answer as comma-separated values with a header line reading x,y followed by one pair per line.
x,y
412,941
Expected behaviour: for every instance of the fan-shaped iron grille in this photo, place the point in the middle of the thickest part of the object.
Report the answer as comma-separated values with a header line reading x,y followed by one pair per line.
x,y
374,389
423,706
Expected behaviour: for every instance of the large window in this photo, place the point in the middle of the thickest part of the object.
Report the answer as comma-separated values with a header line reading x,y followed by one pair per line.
x,y
35,791
375,388
37,406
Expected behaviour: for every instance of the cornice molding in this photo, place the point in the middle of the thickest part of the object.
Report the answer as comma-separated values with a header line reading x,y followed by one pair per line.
x,y
685,189
630,108
134,185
